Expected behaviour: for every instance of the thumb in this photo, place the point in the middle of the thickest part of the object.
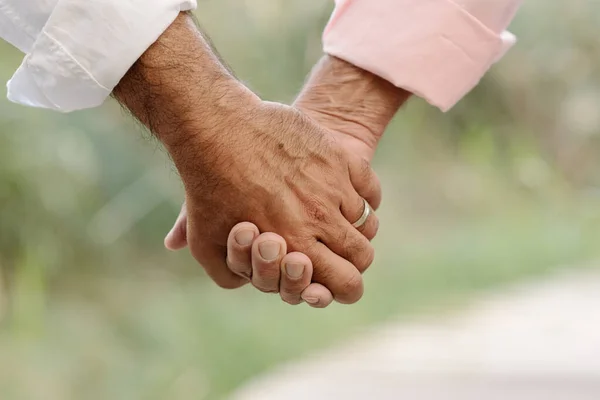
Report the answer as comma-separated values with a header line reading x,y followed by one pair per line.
x,y
176,239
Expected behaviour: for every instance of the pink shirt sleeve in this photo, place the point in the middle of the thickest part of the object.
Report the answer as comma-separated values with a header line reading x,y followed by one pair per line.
x,y
436,49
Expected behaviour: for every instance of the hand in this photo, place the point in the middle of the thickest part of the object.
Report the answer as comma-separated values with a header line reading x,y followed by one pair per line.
x,y
263,259
355,107
282,172
244,159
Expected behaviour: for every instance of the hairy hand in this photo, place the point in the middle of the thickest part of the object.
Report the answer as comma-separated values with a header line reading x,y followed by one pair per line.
x,y
242,159
354,107
274,167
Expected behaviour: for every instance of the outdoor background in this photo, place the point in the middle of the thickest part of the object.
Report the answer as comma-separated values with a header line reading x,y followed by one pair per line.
x,y
506,186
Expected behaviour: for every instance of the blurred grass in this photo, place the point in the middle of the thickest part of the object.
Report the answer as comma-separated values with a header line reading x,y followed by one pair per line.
x,y
504,187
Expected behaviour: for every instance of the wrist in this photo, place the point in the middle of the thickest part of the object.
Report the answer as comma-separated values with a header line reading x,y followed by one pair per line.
x,y
207,144
351,99
179,89
203,119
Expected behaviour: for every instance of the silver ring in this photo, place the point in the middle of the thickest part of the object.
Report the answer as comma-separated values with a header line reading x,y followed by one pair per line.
x,y
364,217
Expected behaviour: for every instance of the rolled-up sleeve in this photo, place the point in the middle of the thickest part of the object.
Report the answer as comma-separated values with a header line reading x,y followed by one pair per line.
x,y
86,47
436,49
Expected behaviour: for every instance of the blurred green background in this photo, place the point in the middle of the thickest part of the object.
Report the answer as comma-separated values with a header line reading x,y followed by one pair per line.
x,y
505,186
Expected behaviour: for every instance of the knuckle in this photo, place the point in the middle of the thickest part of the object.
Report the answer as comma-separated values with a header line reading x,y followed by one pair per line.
x,y
230,284
265,289
361,253
292,288
370,229
377,191
360,169
269,271
352,289
303,242
217,269
345,238
340,154
368,258
365,169
266,286
352,284
375,226
316,210
239,267
290,298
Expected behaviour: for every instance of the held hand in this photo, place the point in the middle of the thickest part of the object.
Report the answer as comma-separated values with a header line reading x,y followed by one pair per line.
x,y
355,107
285,174
242,159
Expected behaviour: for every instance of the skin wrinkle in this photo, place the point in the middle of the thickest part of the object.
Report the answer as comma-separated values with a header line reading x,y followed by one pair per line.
x,y
375,101
358,108
329,70
214,143
340,116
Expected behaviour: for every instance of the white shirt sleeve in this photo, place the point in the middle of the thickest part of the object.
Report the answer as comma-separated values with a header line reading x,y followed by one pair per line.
x,y
77,51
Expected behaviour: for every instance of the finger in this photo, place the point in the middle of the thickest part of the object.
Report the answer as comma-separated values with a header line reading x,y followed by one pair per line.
x,y
176,239
347,241
239,248
296,274
212,257
317,296
353,209
365,181
335,273
267,251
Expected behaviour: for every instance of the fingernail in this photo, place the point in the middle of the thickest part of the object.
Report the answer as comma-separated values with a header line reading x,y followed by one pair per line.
x,y
245,237
311,300
269,251
294,271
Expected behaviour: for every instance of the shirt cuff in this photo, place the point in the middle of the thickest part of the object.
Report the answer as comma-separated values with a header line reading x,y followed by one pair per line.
x,y
435,49
75,66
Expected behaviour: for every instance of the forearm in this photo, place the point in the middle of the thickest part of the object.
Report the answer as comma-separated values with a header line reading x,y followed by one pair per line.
x,y
179,83
354,100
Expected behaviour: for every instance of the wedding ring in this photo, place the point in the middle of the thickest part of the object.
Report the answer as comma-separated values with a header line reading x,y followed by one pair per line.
x,y
364,217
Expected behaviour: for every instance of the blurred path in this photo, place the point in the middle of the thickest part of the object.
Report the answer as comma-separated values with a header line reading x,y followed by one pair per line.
x,y
536,341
